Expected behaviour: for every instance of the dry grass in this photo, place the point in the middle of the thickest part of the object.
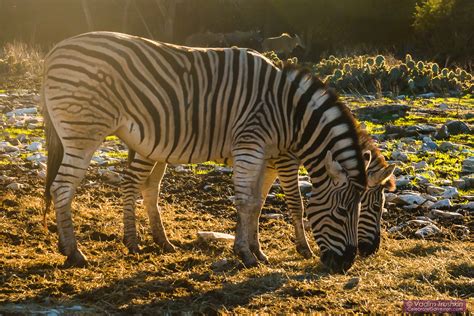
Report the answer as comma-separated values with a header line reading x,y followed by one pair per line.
x,y
21,66
189,280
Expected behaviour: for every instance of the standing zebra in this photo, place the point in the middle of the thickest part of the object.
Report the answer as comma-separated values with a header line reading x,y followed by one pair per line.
x,y
179,104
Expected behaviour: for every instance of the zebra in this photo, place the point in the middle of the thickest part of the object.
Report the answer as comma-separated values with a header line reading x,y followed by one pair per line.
x,y
286,169
177,104
379,177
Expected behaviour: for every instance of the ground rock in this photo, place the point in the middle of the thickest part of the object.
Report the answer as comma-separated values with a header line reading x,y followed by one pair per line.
x,y
15,186
435,190
427,231
441,204
443,214
305,186
446,146
442,133
111,177
468,165
34,146
409,199
450,192
214,236
457,127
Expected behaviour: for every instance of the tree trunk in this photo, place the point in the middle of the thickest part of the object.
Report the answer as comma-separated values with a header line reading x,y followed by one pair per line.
x,y
87,14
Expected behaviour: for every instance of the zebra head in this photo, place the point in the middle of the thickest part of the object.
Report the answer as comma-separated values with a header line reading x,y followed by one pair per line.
x,y
372,203
333,212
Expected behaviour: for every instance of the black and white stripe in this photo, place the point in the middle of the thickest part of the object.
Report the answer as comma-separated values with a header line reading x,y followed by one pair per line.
x,y
178,104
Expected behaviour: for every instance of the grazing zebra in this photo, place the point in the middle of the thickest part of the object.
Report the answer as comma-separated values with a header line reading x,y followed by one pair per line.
x,y
379,178
179,104
379,175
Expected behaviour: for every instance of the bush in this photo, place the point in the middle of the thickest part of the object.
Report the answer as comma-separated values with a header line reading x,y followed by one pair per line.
x,y
446,26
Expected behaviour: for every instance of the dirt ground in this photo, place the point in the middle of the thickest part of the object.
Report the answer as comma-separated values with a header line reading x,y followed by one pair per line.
x,y
204,277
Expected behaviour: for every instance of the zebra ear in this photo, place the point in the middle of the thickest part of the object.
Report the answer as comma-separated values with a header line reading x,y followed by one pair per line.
x,y
333,167
367,158
382,176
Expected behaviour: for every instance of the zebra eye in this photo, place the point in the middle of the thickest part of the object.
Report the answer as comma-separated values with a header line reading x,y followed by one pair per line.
x,y
341,211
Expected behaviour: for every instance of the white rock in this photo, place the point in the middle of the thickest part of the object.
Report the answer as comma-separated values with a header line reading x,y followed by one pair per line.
x,y
34,146
446,146
397,155
443,106
450,192
305,186
420,165
434,190
443,214
38,157
421,179
468,206
410,198
181,169
418,222
468,165
219,264
272,216
397,228
23,111
390,197
6,147
402,182
429,230
427,205
208,236
111,177
445,203
16,186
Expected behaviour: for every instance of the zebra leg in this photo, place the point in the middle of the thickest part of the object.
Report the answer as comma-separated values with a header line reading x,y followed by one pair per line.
x,y
150,192
248,172
135,176
254,241
288,174
63,188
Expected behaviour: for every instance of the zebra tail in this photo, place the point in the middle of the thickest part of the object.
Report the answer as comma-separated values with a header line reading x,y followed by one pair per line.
x,y
55,155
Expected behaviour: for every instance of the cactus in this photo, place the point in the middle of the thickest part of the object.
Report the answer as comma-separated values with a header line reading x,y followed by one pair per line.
x,y
408,58
411,64
370,61
379,60
338,73
420,65
435,68
444,72
347,67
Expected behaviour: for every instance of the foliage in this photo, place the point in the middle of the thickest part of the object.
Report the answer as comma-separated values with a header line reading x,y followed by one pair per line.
x,y
18,58
373,74
446,27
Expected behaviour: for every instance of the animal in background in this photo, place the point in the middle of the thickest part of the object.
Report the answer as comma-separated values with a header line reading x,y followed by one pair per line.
x,y
283,44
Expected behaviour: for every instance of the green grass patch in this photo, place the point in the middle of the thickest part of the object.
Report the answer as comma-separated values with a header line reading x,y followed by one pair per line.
x,y
15,131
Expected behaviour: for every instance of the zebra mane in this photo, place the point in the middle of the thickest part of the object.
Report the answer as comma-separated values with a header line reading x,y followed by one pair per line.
x,y
303,72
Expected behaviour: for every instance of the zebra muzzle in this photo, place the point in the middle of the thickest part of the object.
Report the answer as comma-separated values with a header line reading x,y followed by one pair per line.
x,y
337,263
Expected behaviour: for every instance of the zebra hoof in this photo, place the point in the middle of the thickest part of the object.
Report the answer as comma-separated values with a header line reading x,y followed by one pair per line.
x,y
76,260
168,247
261,256
305,252
131,244
249,260
133,249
